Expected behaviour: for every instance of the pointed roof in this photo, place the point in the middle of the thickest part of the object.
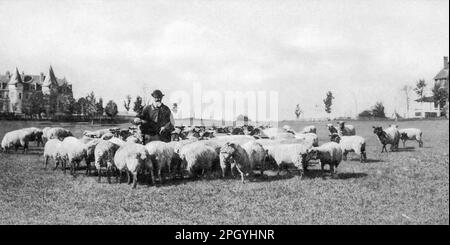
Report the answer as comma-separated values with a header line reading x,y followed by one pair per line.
x,y
15,78
50,79
443,74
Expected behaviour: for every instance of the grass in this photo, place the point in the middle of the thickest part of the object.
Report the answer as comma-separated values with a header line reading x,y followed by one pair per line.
x,y
406,187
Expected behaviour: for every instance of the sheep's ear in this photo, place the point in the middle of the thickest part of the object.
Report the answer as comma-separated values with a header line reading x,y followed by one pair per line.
x,y
373,127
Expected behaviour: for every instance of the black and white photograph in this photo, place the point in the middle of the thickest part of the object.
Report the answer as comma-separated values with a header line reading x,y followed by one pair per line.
x,y
224,112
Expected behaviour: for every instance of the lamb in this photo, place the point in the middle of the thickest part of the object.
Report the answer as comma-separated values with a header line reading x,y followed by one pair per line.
x,y
234,156
56,133
329,154
345,130
96,134
276,133
73,152
387,136
411,134
352,143
332,129
288,154
161,154
196,157
256,154
52,150
15,139
104,155
133,158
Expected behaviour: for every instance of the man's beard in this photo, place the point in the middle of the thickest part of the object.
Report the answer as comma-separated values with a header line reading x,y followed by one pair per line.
x,y
157,103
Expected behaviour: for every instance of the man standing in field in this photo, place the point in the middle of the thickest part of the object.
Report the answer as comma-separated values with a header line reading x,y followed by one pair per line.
x,y
156,119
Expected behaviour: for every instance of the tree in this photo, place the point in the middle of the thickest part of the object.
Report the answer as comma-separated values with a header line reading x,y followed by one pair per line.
x,y
378,110
90,105
138,107
111,109
127,102
99,107
365,113
82,104
298,111
407,90
440,96
328,101
420,88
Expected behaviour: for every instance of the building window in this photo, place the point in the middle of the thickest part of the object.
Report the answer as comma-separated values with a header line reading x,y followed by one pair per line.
x,y
20,95
418,114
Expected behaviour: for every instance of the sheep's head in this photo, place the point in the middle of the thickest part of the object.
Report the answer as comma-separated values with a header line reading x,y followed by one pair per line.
x,y
228,152
312,154
331,128
335,138
378,130
403,136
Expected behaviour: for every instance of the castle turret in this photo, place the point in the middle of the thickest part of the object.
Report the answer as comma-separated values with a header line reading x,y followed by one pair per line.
x,y
49,82
15,87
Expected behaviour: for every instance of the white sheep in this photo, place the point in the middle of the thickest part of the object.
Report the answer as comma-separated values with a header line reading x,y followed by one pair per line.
x,y
309,129
161,154
352,143
235,157
73,152
104,157
17,138
390,135
56,133
196,157
276,133
309,139
411,134
107,136
256,154
329,154
345,130
52,150
97,133
133,158
288,154
90,152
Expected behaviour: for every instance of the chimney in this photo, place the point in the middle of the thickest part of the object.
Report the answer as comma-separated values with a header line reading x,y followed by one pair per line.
x,y
445,62
42,77
8,74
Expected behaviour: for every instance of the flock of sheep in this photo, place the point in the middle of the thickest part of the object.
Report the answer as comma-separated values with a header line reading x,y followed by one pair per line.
x,y
197,151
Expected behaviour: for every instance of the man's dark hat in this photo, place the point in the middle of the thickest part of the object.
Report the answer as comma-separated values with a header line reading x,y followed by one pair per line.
x,y
157,94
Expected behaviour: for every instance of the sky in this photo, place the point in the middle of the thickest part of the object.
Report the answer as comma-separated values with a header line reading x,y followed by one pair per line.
x,y
362,51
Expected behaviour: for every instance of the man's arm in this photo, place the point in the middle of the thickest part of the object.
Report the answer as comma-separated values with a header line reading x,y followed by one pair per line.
x,y
170,124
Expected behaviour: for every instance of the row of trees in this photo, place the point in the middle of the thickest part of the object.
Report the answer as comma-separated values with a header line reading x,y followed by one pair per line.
x,y
89,106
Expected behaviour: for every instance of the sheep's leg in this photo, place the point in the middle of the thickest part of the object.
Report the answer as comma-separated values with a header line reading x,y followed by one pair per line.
x,y
119,176
134,179
332,170
128,177
160,176
108,174
403,141
344,155
46,162
56,165
224,168
152,177
240,172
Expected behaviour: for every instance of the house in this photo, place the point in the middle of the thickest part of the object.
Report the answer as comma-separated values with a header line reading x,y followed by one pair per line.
x,y
425,107
17,88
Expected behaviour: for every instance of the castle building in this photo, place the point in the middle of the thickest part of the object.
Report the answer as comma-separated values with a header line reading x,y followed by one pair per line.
x,y
16,89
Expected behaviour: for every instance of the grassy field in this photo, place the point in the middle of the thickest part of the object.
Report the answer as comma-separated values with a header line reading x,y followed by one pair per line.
x,y
406,187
